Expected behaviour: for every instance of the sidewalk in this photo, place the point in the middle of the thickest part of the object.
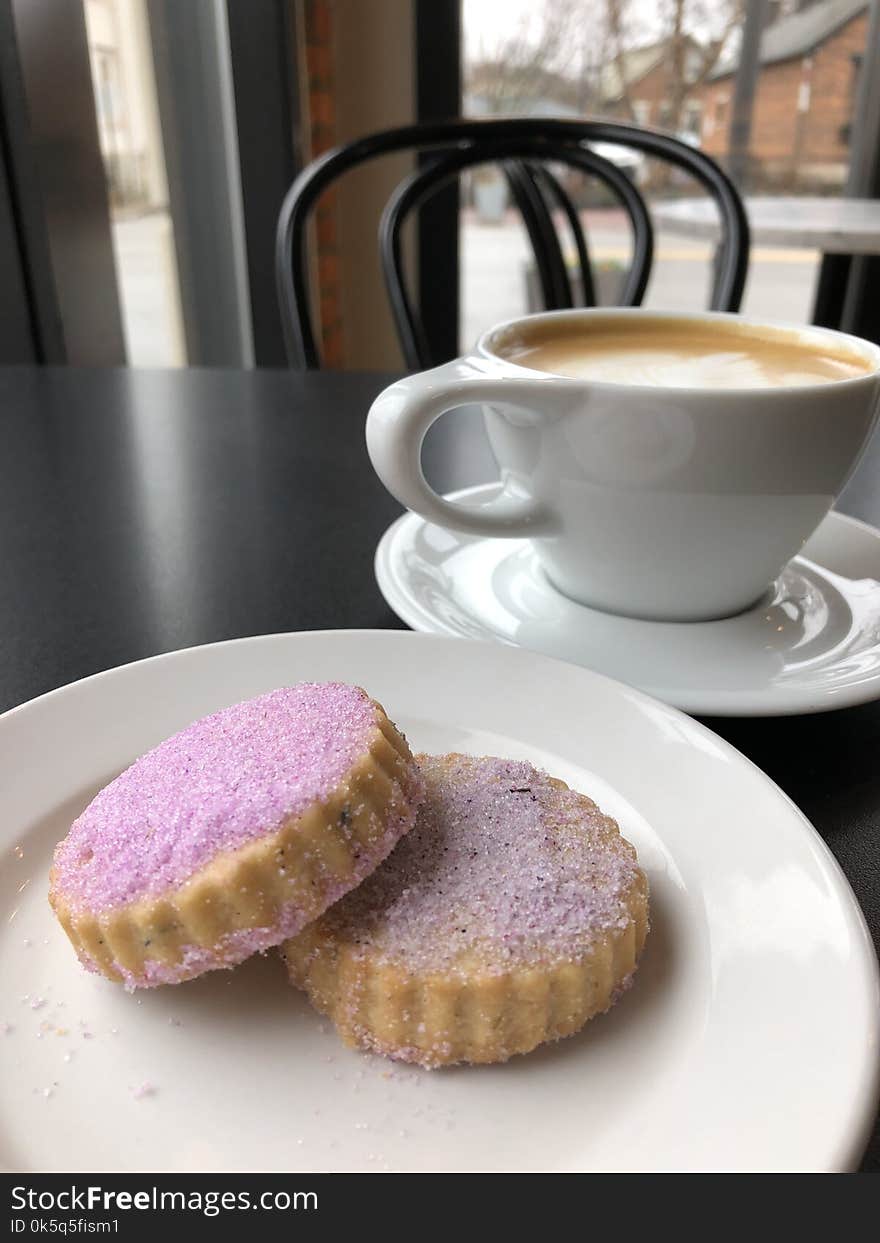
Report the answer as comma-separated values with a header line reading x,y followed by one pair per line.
x,y
143,248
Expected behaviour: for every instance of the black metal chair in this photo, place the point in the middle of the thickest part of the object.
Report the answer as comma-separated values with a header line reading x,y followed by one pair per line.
x,y
535,191
523,148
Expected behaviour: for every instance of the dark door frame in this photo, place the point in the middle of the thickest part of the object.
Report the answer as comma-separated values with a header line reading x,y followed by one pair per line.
x,y
54,210
843,292
263,54
438,98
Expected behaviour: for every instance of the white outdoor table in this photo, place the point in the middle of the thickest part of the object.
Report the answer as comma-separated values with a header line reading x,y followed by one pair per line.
x,y
841,228
835,226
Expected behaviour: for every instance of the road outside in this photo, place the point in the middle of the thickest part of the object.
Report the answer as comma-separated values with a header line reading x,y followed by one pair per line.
x,y
494,257
493,262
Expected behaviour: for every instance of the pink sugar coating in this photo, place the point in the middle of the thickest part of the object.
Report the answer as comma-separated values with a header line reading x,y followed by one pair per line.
x,y
499,861
225,780
234,948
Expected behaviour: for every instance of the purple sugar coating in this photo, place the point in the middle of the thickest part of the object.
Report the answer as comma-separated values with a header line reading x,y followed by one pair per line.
x,y
223,781
235,947
501,862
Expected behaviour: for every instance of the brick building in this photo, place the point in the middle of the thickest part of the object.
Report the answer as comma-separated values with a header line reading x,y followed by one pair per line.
x,y
804,100
644,71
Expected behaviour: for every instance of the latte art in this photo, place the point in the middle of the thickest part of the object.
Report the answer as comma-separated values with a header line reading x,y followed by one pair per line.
x,y
674,354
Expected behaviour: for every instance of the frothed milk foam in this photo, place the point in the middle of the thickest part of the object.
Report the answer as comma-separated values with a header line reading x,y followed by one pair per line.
x,y
679,354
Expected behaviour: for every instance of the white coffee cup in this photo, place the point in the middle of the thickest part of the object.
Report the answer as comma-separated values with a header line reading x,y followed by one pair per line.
x,y
673,503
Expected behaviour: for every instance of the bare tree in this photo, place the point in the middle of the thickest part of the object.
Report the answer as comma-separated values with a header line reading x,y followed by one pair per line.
x,y
691,36
564,50
552,52
619,42
692,59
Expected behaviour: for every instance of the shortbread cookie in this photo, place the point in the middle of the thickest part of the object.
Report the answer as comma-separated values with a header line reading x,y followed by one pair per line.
x,y
513,912
234,834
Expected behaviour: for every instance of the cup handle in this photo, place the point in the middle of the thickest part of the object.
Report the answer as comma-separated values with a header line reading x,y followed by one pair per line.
x,y
398,423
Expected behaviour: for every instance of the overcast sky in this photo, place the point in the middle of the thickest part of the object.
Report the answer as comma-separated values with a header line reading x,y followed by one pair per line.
x,y
484,20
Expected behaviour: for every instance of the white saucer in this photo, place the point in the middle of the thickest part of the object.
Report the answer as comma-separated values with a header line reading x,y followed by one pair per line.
x,y
812,645
748,1041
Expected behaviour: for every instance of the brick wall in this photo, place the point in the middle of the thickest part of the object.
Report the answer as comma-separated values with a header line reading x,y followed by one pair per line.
x,y
648,95
359,78
318,23
650,92
774,117
833,95
800,111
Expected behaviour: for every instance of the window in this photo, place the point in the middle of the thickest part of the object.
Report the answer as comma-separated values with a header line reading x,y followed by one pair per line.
x,y
692,119
856,68
627,61
123,82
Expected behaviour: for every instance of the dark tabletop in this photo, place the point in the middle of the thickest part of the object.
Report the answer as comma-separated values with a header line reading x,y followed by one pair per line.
x,y
143,511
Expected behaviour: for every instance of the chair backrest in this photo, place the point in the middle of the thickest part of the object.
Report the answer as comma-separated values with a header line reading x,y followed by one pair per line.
x,y
536,192
524,148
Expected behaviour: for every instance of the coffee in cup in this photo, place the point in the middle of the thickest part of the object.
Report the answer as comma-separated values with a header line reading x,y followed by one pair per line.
x,y
665,466
665,353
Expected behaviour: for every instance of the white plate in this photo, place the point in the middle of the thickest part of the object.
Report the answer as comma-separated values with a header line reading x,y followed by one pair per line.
x,y
749,1041
813,644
